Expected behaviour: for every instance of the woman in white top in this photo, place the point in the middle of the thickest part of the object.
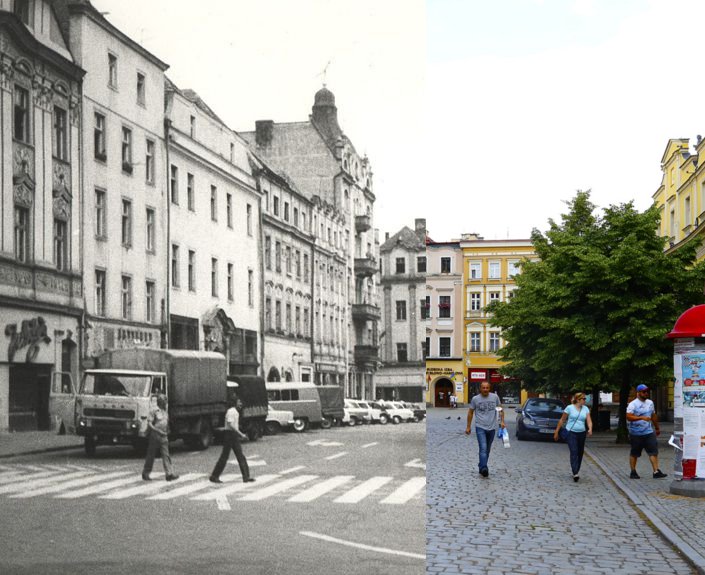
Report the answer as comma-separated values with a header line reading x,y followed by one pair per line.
x,y
578,426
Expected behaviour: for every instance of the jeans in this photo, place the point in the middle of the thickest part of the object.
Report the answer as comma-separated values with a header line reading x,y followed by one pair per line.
x,y
157,442
484,442
576,444
231,441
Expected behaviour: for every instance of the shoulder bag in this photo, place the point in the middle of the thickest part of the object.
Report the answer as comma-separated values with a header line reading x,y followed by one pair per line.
x,y
563,433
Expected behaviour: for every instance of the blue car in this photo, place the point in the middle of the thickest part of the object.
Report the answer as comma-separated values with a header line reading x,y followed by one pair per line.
x,y
538,418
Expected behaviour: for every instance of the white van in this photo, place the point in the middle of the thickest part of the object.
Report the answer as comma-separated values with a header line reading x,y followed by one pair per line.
x,y
299,397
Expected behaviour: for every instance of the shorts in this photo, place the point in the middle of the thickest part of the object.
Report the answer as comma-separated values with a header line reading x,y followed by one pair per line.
x,y
647,442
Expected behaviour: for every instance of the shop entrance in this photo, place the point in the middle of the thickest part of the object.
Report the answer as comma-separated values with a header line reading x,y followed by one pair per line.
x,y
443,390
29,397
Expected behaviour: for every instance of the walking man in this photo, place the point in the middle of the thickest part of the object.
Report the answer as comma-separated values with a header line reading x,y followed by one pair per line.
x,y
159,440
485,404
231,440
643,430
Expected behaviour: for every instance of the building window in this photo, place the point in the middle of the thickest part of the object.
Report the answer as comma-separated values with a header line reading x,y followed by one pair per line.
x,y
475,299
250,288
99,292
100,215
126,150
402,353
494,296
141,99
230,282
307,323
426,307
174,184
112,70
444,306
268,252
190,198
276,205
175,280
445,265
298,265
229,209
401,310
60,244
306,267
99,137
249,219
126,229
512,269
297,320
21,117
303,221
494,271
672,222
126,297
268,313
150,305
21,10
494,341
287,259
214,277
475,271
475,341
687,211
149,163
278,315
214,203
60,141
444,347
151,225
232,152
286,211
421,264
278,257
192,126
191,270
296,217
401,265
288,318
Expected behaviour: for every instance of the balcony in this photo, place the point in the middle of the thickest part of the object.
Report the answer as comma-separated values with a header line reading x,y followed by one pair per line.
x,y
362,223
365,312
365,267
366,354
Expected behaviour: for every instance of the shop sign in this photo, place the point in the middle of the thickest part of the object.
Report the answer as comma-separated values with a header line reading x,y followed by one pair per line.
x,y
495,377
440,371
458,386
32,332
478,374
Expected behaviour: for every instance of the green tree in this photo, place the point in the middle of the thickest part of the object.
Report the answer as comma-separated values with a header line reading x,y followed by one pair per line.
x,y
592,311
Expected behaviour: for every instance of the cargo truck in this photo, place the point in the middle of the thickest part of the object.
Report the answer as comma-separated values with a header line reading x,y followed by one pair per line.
x,y
114,401
332,405
252,392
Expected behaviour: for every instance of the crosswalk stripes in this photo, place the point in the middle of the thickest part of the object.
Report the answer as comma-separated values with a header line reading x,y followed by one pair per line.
x,y
234,488
9,476
22,477
322,488
63,486
188,489
358,493
406,491
277,488
147,487
103,487
22,483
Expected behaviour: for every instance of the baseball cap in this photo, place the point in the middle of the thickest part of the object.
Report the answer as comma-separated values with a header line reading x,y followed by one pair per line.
x,y
642,387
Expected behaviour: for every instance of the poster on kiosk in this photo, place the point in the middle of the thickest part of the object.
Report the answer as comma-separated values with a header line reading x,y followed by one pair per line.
x,y
688,336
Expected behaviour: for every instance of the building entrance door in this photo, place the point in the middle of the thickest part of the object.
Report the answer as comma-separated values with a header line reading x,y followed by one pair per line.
x,y
29,397
443,391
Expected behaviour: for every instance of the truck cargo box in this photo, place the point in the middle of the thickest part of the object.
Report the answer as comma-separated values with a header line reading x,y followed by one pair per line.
x,y
252,391
332,401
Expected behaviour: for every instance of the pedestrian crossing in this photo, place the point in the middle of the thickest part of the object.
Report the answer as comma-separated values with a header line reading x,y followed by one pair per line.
x,y
293,486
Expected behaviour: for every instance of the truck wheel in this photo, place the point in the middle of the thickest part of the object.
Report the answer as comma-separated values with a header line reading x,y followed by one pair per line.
x,y
396,419
384,419
272,428
300,425
89,446
205,435
352,422
326,423
253,433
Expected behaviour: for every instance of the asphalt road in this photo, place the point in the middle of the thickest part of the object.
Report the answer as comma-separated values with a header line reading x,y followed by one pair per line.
x,y
344,500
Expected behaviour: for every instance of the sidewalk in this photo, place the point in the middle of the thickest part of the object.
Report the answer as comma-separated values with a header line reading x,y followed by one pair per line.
x,y
681,520
28,442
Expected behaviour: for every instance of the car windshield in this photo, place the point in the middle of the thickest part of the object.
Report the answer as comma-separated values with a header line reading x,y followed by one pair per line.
x,y
544,408
363,405
116,384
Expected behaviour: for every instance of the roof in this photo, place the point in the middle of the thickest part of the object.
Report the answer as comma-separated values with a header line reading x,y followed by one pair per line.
x,y
193,97
134,372
407,238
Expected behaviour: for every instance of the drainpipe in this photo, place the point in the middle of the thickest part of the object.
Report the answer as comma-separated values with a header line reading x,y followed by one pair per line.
x,y
167,289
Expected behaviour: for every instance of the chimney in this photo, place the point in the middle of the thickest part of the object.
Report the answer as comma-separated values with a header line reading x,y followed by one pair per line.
x,y
420,227
386,236
263,133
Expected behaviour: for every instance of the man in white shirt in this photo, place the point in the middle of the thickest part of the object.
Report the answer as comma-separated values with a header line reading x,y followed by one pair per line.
x,y
231,440
643,430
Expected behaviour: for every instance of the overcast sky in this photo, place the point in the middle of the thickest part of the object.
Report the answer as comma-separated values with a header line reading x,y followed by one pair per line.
x,y
481,116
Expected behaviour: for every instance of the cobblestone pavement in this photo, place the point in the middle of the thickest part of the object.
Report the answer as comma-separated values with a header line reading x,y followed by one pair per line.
x,y
529,517
684,516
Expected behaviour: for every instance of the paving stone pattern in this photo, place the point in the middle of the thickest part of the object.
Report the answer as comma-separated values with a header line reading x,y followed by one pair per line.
x,y
528,516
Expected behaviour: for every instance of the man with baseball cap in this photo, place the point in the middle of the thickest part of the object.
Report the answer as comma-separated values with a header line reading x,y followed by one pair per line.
x,y
643,430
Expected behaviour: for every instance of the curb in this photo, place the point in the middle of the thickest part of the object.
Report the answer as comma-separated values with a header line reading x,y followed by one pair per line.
x,y
42,450
695,558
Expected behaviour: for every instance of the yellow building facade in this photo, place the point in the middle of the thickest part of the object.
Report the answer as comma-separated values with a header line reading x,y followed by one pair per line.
x,y
489,268
681,195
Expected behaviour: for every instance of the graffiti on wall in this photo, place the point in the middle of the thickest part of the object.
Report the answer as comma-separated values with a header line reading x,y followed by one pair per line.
x,y
31,333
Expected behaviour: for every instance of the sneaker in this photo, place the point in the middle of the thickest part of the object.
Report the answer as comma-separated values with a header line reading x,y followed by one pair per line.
x,y
576,478
634,474
248,480
484,472
658,474
172,477
146,477
214,479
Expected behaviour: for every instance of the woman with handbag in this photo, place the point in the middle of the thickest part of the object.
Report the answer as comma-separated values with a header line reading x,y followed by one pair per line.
x,y
577,427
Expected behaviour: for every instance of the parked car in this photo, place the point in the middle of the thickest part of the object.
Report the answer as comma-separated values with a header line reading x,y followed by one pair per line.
x,y
278,420
396,411
355,414
538,417
375,413
417,409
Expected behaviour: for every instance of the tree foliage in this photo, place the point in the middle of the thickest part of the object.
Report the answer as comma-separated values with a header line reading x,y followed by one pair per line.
x,y
592,311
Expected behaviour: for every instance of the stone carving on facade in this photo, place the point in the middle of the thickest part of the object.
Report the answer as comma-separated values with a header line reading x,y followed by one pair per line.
x,y
7,73
43,94
75,110
23,163
61,192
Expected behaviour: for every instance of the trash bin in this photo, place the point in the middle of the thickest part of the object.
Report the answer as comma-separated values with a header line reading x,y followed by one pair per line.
x,y
603,420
